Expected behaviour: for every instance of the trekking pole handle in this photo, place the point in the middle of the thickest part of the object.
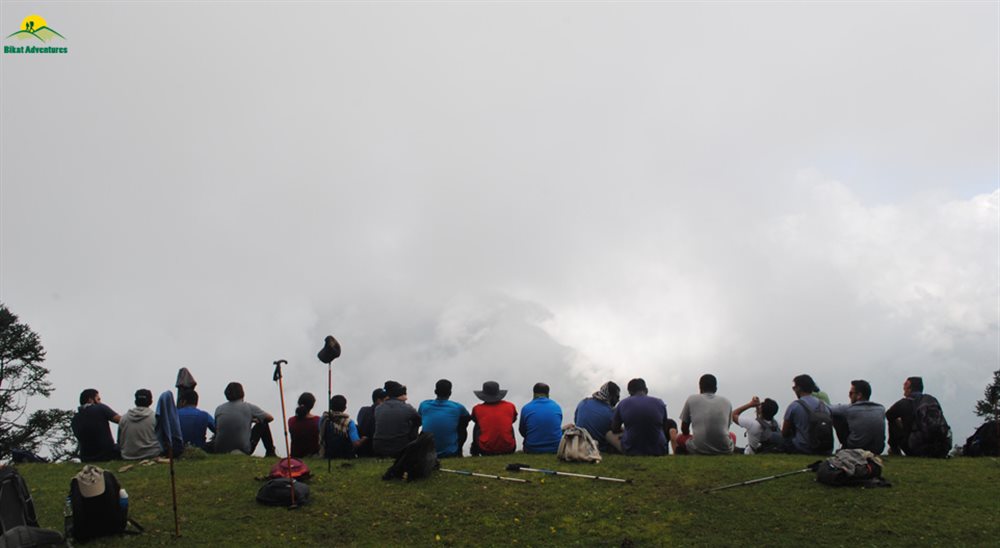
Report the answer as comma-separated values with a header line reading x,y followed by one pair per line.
x,y
277,369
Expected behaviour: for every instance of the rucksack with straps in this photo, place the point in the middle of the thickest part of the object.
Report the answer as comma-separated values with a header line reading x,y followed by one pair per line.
x,y
418,460
851,467
770,436
18,522
100,514
335,445
984,442
290,468
820,429
277,492
931,435
577,445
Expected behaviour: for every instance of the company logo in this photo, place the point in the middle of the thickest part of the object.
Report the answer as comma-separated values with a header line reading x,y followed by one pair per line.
x,y
35,30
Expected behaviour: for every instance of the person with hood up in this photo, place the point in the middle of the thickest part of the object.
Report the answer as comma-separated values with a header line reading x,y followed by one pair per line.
x,y
137,429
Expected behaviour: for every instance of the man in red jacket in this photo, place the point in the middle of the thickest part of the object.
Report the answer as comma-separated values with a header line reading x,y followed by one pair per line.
x,y
494,418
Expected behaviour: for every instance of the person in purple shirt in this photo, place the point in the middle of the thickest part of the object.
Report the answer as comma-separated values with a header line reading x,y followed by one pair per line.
x,y
194,422
646,426
541,422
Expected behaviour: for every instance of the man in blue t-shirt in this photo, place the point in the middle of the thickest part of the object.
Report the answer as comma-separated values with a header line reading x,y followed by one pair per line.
x,y
195,423
541,422
446,419
646,426
594,414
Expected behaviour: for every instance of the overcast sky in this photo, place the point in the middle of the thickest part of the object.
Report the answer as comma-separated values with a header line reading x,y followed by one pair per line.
x,y
559,192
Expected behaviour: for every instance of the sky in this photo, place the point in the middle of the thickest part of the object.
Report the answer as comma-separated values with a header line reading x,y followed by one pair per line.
x,y
564,192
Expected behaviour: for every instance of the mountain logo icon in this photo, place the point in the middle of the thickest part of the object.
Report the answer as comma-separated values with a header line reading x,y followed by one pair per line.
x,y
33,28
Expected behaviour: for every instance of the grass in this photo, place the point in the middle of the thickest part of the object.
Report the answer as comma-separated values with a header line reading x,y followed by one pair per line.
x,y
932,502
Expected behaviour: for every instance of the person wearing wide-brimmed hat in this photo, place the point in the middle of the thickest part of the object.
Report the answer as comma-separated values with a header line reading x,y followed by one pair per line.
x,y
494,418
396,422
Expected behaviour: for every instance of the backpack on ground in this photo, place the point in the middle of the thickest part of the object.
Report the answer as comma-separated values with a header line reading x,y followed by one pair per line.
x,y
25,536
96,505
820,429
290,468
418,460
771,440
16,506
985,442
577,445
931,435
851,467
276,492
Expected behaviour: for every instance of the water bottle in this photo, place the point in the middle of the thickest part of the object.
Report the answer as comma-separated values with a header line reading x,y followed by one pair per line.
x,y
68,518
123,501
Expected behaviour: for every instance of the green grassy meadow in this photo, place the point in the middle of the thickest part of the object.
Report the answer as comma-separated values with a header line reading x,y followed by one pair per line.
x,y
952,502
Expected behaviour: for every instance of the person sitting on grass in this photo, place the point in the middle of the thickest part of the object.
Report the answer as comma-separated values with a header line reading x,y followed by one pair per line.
x,y
644,419
137,429
860,424
541,422
762,431
195,423
710,416
494,418
366,422
304,428
594,414
796,427
338,434
91,427
446,419
241,425
396,422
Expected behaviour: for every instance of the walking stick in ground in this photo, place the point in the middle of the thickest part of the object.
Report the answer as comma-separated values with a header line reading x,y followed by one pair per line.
x,y
329,352
173,487
528,468
284,424
810,468
478,475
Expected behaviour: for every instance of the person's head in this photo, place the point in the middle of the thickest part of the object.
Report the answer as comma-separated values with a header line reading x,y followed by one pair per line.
x,y
395,390
338,404
306,403
540,390
913,384
860,391
637,387
188,397
442,389
708,384
143,397
234,391
614,393
768,409
803,385
378,396
90,395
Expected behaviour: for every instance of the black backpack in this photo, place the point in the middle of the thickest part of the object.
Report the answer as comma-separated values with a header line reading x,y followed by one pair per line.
x,y
985,442
820,429
100,515
276,492
18,522
931,435
418,460
770,436
851,467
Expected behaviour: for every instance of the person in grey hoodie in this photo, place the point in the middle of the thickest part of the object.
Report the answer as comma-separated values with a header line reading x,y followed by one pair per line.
x,y
137,429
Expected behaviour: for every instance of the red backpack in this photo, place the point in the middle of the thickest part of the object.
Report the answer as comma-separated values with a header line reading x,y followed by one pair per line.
x,y
290,468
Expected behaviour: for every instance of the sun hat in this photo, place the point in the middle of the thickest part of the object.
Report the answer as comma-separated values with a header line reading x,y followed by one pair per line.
x,y
491,392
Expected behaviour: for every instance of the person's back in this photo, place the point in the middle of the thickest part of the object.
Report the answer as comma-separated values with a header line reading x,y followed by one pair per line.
x,y
396,422
446,420
366,423
338,434
644,418
594,414
137,429
541,422
233,421
762,432
860,424
797,413
303,428
917,426
195,423
91,427
709,416
494,418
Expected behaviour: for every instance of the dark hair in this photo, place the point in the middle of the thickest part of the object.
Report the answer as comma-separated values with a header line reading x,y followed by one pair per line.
x,y
614,394
708,384
768,408
863,388
805,384
234,391
87,395
186,397
443,389
338,403
916,384
636,386
540,388
378,394
306,403
143,397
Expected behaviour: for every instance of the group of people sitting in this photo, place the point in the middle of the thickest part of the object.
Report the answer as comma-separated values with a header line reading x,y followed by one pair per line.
x,y
635,425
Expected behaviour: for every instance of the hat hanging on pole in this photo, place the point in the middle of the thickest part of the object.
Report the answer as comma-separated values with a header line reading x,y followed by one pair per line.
x,y
329,352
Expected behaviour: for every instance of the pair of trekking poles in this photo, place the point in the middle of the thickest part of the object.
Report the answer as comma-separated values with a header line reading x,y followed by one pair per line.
x,y
528,468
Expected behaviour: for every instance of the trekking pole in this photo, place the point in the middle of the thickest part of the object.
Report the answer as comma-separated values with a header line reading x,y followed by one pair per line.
x,y
527,468
173,487
759,480
478,475
329,352
284,424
